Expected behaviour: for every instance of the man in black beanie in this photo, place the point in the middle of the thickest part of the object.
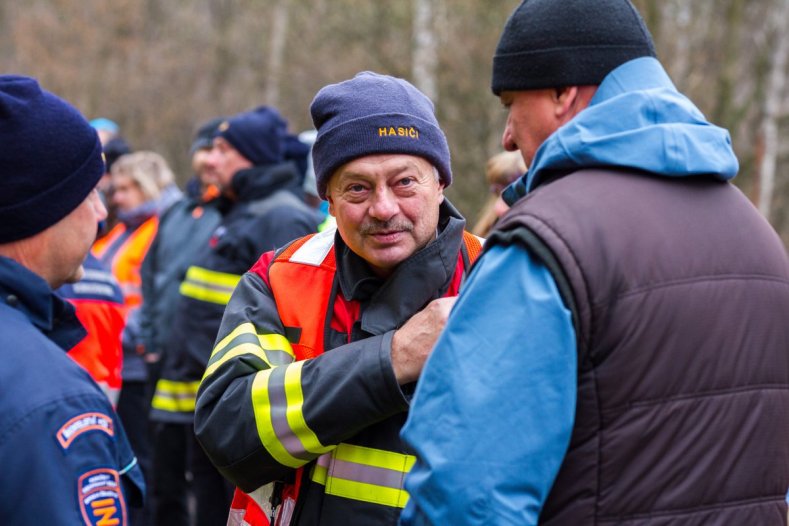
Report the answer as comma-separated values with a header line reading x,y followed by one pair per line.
x,y
183,231
619,354
65,456
323,340
260,212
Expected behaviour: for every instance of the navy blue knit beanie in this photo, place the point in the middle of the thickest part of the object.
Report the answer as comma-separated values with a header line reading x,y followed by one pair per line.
x,y
258,135
50,159
551,44
204,136
373,114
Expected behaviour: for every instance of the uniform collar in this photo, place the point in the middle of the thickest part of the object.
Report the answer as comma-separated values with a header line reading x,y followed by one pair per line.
x,y
257,182
29,293
388,303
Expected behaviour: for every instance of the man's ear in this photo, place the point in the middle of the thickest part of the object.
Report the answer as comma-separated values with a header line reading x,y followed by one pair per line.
x,y
565,101
331,203
571,100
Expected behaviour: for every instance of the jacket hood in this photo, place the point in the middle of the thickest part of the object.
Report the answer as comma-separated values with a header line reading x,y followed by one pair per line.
x,y
637,120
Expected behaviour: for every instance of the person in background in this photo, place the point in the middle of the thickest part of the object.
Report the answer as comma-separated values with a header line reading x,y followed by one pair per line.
x,y
107,129
144,187
619,353
500,170
183,231
322,341
98,300
113,146
260,212
310,188
65,456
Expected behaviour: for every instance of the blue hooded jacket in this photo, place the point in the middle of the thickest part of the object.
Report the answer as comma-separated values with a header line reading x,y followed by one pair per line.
x,y
494,408
656,129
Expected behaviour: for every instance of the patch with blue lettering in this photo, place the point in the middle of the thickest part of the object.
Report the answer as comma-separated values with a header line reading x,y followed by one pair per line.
x,y
101,498
84,423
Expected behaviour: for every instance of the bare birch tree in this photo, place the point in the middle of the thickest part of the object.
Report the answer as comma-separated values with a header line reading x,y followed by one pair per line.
x,y
774,95
279,31
425,54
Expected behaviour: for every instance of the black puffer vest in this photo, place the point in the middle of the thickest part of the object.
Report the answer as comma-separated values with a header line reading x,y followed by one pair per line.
x,y
680,298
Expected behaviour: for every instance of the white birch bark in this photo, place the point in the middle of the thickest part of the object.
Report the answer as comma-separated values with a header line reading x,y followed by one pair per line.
x,y
425,52
774,95
278,34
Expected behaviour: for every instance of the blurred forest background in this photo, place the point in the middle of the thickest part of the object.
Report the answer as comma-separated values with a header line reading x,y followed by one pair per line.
x,y
161,68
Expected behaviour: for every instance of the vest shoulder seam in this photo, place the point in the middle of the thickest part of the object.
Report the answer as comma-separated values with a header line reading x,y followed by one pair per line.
x,y
692,281
699,395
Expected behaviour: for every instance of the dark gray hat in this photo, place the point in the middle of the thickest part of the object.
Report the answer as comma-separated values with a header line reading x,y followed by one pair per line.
x,y
204,137
551,44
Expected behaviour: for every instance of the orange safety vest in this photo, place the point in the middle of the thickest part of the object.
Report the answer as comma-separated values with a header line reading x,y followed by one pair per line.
x,y
301,280
100,351
128,258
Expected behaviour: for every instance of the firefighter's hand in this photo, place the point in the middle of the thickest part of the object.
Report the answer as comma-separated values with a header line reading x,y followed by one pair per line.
x,y
412,343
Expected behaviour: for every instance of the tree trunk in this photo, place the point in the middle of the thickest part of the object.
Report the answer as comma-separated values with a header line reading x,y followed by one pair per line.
x,y
279,32
425,53
774,95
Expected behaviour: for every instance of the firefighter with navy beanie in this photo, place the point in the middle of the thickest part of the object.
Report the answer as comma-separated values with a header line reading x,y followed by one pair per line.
x,y
322,341
64,453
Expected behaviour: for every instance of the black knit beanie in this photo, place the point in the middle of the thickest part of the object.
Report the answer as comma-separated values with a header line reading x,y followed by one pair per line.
x,y
50,159
552,44
374,114
258,135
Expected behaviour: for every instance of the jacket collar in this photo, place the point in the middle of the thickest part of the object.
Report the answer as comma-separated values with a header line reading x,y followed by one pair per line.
x,y
388,303
27,292
260,181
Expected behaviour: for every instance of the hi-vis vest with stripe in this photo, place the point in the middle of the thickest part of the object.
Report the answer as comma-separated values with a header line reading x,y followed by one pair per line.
x,y
301,279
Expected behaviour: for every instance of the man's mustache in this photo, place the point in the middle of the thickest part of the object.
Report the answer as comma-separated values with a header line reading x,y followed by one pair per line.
x,y
372,227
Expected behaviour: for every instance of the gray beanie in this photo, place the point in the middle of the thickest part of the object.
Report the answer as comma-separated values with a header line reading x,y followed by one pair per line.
x,y
552,44
373,114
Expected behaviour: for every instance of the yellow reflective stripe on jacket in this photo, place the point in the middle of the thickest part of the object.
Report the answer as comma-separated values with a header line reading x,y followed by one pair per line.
x,y
277,402
273,349
210,286
175,396
365,474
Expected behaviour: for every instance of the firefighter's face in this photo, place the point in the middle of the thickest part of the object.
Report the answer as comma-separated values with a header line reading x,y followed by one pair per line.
x,y
386,207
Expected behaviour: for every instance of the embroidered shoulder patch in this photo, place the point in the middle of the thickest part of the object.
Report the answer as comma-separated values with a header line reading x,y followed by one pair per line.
x,y
101,498
82,424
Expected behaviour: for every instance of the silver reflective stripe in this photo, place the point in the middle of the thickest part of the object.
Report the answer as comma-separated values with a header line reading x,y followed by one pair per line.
x,y
276,357
361,473
364,474
279,416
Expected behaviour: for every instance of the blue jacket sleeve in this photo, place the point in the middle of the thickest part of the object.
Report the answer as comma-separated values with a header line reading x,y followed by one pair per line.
x,y
494,408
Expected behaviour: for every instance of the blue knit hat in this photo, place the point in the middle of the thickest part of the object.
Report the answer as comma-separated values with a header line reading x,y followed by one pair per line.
x,y
373,114
49,162
258,135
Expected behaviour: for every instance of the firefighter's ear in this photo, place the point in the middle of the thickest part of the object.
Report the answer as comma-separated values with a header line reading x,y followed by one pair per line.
x,y
331,202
